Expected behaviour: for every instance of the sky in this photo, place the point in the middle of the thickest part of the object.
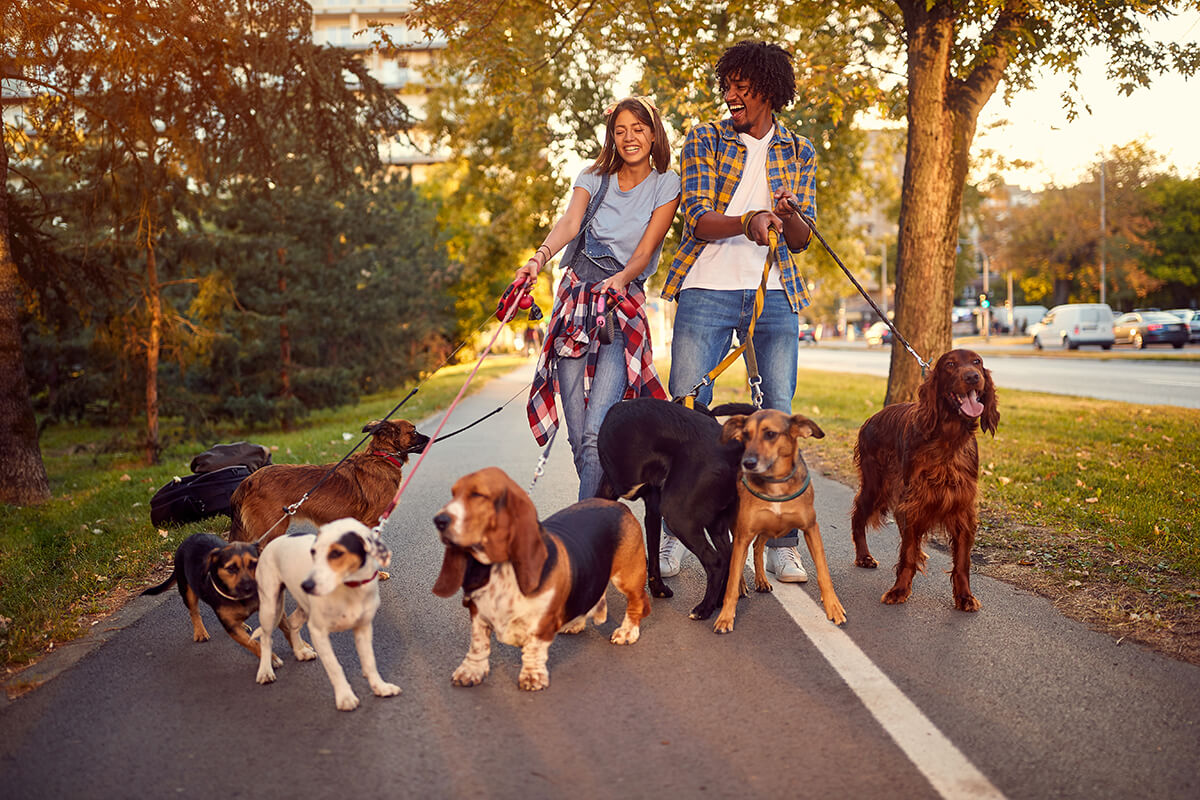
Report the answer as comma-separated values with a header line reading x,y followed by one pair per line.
x,y
1165,116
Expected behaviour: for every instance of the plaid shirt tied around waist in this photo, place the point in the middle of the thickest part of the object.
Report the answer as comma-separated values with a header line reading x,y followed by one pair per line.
x,y
570,336
714,158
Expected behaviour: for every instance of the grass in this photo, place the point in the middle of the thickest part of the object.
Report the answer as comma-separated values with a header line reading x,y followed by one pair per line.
x,y
69,561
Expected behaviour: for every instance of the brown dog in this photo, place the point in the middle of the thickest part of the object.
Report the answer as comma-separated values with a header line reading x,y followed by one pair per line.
x,y
775,495
920,461
361,487
221,574
527,581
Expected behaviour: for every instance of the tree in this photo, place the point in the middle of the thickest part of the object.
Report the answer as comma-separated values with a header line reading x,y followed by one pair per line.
x,y
1173,208
166,100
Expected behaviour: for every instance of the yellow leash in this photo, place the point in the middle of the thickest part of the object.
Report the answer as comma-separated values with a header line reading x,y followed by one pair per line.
x,y
753,378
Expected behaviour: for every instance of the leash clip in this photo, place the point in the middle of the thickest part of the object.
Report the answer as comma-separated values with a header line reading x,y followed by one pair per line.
x,y
756,395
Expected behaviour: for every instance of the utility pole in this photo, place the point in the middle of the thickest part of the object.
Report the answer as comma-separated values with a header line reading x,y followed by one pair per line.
x,y
1103,233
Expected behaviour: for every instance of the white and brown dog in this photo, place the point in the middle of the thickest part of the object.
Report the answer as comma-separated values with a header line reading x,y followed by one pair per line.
x,y
333,577
528,581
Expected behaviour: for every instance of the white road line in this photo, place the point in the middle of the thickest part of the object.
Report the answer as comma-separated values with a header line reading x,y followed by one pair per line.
x,y
942,764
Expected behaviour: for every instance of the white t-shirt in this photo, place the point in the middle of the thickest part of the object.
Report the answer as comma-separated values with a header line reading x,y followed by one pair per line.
x,y
737,262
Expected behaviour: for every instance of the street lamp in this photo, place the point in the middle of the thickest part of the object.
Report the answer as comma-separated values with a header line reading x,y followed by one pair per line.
x,y
1103,231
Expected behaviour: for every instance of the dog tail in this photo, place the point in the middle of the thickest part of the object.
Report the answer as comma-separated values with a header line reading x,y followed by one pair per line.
x,y
162,587
729,409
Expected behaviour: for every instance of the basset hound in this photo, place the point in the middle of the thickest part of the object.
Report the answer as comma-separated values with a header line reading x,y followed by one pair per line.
x,y
528,581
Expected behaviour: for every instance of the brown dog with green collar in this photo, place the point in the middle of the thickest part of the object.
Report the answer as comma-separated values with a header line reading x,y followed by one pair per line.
x,y
775,495
221,574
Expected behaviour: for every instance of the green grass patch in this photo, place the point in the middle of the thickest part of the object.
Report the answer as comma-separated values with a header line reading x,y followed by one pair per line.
x,y
70,559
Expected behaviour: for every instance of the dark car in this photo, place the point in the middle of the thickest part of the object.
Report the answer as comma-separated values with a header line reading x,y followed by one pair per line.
x,y
808,334
1192,317
1141,328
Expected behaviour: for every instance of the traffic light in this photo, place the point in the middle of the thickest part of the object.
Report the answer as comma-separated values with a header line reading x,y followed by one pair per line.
x,y
983,300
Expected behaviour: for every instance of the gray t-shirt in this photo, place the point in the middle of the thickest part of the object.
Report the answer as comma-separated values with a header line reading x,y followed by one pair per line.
x,y
622,217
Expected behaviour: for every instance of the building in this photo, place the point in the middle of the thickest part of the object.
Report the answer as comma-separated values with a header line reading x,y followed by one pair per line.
x,y
346,24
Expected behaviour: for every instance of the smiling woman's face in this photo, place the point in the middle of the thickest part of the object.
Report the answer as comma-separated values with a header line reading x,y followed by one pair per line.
x,y
632,138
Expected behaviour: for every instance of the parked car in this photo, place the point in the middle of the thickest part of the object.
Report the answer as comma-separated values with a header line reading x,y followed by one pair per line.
x,y
1074,324
1192,317
878,334
1022,317
1141,328
808,334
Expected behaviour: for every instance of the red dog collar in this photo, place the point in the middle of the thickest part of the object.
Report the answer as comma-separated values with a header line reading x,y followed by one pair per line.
x,y
389,456
354,584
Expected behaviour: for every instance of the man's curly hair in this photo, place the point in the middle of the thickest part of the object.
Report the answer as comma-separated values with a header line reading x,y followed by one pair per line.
x,y
768,68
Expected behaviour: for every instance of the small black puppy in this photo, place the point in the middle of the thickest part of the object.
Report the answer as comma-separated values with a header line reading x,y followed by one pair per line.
x,y
221,574
673,459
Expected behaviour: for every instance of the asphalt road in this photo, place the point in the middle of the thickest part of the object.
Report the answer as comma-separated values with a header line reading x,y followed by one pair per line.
x,y
911,701
1131,377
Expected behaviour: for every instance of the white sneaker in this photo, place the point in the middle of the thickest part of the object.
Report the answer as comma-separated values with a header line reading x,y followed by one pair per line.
x,y
670,550
784,562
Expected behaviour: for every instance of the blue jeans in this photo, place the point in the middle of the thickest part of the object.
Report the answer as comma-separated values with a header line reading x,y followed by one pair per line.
x,y
705,323
583,424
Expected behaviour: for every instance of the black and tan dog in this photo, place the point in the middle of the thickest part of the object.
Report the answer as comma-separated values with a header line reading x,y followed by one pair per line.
x,y
673,459
528,581
775,495
221,574
360,488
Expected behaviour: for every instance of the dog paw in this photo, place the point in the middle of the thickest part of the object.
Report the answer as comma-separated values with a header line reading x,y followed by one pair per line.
x,y
200,636
384,689
866,561
305,653
384,575
347,701
723,625
660,589
968,603
265,675
533,680
895,596
276,661
574,626
743,589
626,634
469,675
762,585
834,612
701,611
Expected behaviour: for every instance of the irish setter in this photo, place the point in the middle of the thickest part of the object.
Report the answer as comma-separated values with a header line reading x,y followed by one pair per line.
x,y
920,462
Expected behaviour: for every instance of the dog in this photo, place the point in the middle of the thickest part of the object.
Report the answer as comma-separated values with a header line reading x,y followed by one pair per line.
x,y
920,461
332,577
221,574
775,495
528,581
674,460
360,488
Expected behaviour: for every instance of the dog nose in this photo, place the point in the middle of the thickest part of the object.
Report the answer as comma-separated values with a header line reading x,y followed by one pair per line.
x,y
750,462
971,378
308,586
442,521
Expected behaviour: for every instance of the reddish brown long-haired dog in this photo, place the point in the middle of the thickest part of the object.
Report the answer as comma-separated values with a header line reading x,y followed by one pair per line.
x,y
527,581
360,488
920,461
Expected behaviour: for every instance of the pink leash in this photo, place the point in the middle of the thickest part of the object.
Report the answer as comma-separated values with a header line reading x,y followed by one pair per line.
x,y
508,314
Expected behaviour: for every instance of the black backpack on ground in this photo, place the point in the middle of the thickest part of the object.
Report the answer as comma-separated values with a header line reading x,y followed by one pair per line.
x,y
207,492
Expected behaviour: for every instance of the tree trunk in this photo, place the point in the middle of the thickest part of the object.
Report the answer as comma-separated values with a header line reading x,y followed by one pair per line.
x,y
22,473
942,113
153,347
285,344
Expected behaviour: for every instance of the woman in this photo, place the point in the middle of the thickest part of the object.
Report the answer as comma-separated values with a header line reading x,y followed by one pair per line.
x,y
620,210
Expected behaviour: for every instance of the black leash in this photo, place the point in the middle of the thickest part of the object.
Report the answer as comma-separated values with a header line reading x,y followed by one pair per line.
x,y
812,226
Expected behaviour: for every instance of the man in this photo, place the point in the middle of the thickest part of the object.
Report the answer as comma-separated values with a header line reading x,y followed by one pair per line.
x,y
740,176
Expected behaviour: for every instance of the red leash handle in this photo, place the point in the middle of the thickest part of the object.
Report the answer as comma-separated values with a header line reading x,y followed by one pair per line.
x,y
517,295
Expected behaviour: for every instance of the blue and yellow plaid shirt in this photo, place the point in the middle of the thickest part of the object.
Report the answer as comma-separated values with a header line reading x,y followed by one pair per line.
x,y
713,160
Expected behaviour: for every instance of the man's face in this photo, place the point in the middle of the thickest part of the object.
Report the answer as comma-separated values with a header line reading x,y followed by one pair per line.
x,y
749,111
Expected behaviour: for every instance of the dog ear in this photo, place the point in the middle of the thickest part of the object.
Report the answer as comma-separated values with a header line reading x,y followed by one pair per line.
x,y
733,429
929,402
371,426
991,407
526,549
377,550
804,427
454,569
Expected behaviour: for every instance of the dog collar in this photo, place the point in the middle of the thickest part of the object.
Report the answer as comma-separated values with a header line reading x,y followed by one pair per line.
x,y
389,456
354,584
803,488
217,589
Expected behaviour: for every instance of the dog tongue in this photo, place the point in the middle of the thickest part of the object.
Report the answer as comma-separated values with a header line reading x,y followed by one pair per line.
x,y
971,406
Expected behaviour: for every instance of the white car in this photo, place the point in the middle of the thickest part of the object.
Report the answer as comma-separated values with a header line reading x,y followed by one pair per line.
x,y
1074,324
